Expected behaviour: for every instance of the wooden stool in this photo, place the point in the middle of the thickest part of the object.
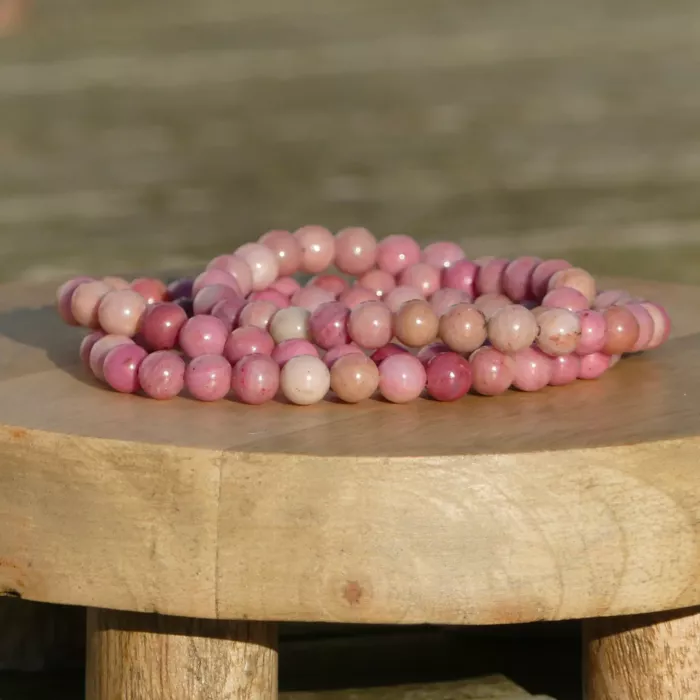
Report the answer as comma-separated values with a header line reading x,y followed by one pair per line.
x,y
577,502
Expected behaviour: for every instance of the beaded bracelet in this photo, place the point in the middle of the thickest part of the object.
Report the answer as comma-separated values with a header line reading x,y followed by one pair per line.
x,y
413,321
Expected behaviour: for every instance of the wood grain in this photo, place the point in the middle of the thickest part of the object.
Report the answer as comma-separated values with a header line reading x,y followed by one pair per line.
x,y
151,657
640,658
571,503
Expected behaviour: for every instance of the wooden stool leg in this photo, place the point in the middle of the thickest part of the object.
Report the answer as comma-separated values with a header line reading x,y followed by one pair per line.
x,y
132,656
643,657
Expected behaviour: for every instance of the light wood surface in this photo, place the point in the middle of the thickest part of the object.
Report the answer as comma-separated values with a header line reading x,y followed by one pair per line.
x,y
575,502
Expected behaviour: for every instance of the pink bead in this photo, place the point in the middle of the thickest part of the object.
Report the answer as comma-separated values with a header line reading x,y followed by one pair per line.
x,y
442,254
396,253
203,335
340,351
539,282
151,289
310,298
379,282
247,341
286,285
214,276
565,298
492,371
461,275
565,369
257,313
85,302
238,268
86,345
662,324
533,370
334,284
357,295
512,328
422,276
610,297
370,325
432,350
354,378
305,380
329,325
489,304
646,326
448,377
577,279
559,332
99,352
208,297
180,288
228,311
255,379
399,296
116,282
593,365
262,263
379,355
272,295
161,325
293,347
593,327
120,312
64,295
162,374
517,278
489,278
317,246
355,250
402,378
286,248
121,367
444,298
208,377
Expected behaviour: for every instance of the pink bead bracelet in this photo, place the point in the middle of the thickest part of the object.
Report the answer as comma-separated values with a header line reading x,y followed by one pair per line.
x,y
413,321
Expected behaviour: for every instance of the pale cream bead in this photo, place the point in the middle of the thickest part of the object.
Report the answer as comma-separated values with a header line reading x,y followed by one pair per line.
x,y
305,380
290,323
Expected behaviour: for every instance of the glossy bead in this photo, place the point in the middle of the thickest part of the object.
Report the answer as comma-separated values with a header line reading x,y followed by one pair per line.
x,y
357,295
532,371
180,288
415,323
85,302
621,330
121,311
355,250
379,355
162,375
237,268
247,341
539,281
442,254
203,335
427,353
208,377
116,282
208,297
354,378
100,350
593,365
262,263
398,296
292,322
593,327
448,376
370,325
492,371
379,282
575,278
286,285
610,297
489,278
334,284
565,369
64,296
463,328
311,298
488,304
255,379
517,278
215,276
286,248
187,305
272,295
422,276
512,328
305,380
317,248
401,378
340,351
86,345
120,368
161,325
559,332
396,253
151,289
257,313
646,326
565,298
228,312
461,275
329,325
293,347
662,324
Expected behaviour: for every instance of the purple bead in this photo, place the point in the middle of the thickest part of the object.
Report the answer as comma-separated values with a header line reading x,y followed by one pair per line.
x,y
255,379
461,275
208,377
180,288
533,369
121,368
593,328
187,305
203,335
329,325
161,325
249,340
208,297
449,376
593,365
162,375
228,311
565,369
293,347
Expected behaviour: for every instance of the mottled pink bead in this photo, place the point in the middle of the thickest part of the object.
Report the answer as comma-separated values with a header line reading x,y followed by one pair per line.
x,y
255,379
593,327
208,377
448,376
427,353
422,276
370,325
400,295
593,365
396,253
85,302
162,374
576,278
461,275
317,246
442,254
286,248
310,298
539,282
492,371
64,295
489,304
646,326
121,311
262,263
565,298
180,288
444,298
238,268
208,297
517,278
247,341
214,276
86,345
379,355
512,328
121,367
161,325
355,250
357,295
151,289
228,312
401,378
293,347
662,324
272,295
559,331
379,282
533,370
203,335
340,351
101,348
286,285
257,313
610,297
565,369
489,278
329,325
334,284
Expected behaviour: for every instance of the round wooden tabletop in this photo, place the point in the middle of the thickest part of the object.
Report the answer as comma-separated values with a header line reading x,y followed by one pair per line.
x,y
573,502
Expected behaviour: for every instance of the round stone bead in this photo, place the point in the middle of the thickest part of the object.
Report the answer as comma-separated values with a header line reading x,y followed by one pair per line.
x,y
427,353
203,335
355,250
461,275
151,289
533,369
305,380
247,341
121,367
262,263
272,295
621,330
99,352
610,297
286,285
422,276
228,312
329,325
208,297
286,248
257,313
354,378
444,298
255,379
370,325
208,377
87,344
488,304
215,276
416,324
311,298
64,296
493,372
340,351
396,253
85,302
162,375
161,325
575,278
334,284
121,311
398,296
357,295
463,328
646,326
565,369
539,281
116,282
593,327
517,278
512,328
489,278
662,324
559,332
379,282
448,376
236,267
442,254
293,347
402,378
179,288
593,365
289,323
565,298
317,248
379,355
